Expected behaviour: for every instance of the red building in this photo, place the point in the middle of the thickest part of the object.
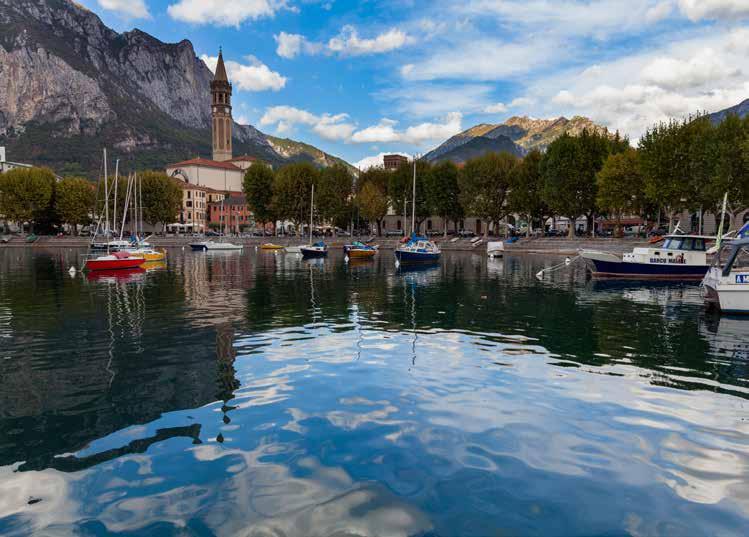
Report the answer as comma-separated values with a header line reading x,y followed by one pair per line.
x,y
391,162
232,214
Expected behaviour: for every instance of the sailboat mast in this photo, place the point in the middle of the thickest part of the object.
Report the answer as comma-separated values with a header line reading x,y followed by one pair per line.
x,y
106,196
311,211
114,207
413,202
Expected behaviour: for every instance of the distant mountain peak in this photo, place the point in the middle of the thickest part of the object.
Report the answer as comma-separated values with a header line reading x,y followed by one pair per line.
x,y
516,135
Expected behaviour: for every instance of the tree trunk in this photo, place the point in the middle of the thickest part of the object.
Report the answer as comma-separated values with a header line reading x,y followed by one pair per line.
x,y
529,227
444,226
571,230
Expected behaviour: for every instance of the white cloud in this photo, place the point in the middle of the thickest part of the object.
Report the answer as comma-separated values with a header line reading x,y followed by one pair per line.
x,y
675,73
376,160
485,59
292,45
348,42
659,12
501,108
385,131
338,127
496,108
253,77
429,100
331,127
135,9
221,12
714,9
698,74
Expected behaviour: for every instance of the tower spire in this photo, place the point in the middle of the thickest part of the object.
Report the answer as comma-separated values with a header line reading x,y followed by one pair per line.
x,y
221,111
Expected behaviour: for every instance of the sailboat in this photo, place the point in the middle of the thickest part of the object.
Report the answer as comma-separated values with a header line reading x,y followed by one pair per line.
x,y
210,246
138,246
416,248
318,249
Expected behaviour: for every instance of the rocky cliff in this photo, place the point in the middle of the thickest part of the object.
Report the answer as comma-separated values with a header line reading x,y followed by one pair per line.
x,y
517,135
69,86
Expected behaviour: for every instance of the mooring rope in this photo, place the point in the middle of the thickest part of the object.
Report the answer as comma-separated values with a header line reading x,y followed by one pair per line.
x,y
567,262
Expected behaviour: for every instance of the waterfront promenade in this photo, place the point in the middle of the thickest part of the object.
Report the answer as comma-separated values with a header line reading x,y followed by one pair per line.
x,y
555,245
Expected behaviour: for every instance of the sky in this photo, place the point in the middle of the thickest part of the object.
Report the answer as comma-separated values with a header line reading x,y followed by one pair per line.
x,y
360,79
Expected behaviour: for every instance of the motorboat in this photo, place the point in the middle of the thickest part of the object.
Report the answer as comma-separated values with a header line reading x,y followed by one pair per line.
x,y
114,261
417,249
207,246
726,284
495,249
319,249
359,250
680,257
271,246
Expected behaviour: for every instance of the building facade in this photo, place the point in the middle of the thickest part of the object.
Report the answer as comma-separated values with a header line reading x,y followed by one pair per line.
x,y
391,162
194,216
231,215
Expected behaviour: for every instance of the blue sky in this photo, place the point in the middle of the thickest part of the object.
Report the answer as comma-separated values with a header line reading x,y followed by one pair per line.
x,y
362,78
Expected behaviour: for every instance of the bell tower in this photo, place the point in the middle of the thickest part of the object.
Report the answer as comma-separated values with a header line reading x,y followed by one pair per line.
x,y
221,112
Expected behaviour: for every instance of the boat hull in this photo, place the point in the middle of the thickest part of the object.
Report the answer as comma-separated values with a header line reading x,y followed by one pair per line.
x,y
114,264
312,252
600,268
416,257
360,254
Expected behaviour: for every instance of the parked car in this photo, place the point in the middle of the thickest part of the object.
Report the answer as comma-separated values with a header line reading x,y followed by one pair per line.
x,y
553,233
212,234
394,233
658,232
435,233
466,233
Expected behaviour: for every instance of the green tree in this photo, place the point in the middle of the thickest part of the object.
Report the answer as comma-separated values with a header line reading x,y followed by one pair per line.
x,y
621,186
162,198
74,201
373,204
569,169
443,192
484,184
291,192
527,195
26,194
731,169
400,191
372,195
334,193
258,187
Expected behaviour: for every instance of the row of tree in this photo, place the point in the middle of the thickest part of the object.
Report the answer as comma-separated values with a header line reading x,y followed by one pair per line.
x,y
36,197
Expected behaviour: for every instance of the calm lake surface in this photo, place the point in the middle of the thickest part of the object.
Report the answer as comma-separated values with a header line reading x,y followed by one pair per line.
x,y
263,395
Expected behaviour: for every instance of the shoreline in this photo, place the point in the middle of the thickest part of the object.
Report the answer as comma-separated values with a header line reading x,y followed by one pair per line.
x,y
537,246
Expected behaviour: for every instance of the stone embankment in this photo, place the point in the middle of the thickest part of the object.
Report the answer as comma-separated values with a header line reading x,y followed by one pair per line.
x,y
549,245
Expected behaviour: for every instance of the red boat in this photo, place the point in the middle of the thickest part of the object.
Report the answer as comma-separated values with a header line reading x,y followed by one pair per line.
x,y
114,261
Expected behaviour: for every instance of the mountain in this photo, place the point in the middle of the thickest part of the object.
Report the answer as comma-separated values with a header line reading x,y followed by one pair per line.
x,y
69,86
741,110
517,135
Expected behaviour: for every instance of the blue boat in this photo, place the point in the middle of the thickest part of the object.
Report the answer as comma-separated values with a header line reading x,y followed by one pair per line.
x,y
680,258
418,250
319,249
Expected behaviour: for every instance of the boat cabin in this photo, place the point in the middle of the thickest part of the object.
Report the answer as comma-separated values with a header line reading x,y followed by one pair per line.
x,y
733,256
675,250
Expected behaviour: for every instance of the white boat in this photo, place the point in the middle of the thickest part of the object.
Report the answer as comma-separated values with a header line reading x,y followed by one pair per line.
x,y
680,257
209,246
726,284
495,249
294,249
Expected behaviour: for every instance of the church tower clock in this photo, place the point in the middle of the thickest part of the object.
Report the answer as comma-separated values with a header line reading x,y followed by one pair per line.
x,y
221,112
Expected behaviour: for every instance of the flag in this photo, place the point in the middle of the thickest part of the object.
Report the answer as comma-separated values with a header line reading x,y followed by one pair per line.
x,y
744,231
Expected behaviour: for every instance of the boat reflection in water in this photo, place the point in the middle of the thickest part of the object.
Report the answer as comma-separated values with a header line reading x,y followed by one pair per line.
x,y
262,395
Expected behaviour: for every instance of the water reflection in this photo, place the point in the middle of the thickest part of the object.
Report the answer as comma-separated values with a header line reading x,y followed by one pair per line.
x,y
266,395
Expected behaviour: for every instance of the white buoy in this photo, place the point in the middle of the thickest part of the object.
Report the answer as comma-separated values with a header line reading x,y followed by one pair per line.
x,y
71,270
567,261
397,263
345,259
540,274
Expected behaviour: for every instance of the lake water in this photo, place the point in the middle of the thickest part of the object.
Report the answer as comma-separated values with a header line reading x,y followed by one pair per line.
x,y
263,395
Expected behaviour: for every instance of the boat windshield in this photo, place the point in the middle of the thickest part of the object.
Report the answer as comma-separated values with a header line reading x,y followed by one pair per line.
x,y
738,259
684,243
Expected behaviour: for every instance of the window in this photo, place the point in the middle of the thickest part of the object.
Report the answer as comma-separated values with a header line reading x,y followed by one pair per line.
x,y
429,224
188,194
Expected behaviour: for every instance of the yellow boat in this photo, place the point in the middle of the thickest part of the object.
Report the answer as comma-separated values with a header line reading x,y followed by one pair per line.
x,y
271,246
149,254
153,265
358,250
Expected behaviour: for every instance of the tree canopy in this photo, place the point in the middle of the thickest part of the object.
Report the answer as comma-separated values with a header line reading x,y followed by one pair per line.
x,y
484,185
291,192
443,192
258,188
162,198
26,193
74,201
